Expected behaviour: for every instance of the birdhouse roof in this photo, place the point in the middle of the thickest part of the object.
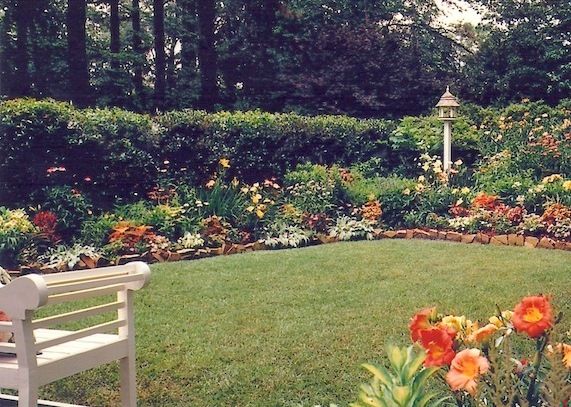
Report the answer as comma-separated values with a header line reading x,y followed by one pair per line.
x,y
448,100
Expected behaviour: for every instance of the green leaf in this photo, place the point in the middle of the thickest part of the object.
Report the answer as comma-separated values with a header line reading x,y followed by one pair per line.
x,y
380,373
397,357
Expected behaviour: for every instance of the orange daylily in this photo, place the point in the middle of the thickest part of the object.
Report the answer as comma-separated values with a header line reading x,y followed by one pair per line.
x,y
419,322
465,370
438,346
565,350
483,334
210,184
533,315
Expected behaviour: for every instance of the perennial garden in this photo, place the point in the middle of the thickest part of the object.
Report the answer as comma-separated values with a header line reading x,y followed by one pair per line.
x,y
90,187
86,188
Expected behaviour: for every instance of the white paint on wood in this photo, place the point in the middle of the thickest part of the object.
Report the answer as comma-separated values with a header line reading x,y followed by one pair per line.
x,y
64,353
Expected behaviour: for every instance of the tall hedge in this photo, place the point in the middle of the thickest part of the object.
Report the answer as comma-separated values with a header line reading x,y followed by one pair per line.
x,y
116,154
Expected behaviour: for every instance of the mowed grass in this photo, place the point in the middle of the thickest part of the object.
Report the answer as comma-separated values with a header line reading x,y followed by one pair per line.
x,y
290,328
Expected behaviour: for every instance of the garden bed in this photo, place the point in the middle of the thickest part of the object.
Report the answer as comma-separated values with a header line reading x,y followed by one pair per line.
x,y
232,248
513,186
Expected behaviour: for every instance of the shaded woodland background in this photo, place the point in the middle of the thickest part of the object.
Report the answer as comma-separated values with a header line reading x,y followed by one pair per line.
x,y
365,58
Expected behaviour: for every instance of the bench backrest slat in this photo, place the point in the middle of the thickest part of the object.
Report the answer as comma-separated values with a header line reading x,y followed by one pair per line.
x,y
6,347
57,278
84,294
6,326
85,284
96,329
77,315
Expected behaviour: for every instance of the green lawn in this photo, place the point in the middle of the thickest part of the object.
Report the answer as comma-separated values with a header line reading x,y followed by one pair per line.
x,y
289,328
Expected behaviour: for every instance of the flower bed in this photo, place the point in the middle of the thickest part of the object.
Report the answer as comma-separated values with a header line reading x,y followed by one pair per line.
x,y
516,189
477,361
314,204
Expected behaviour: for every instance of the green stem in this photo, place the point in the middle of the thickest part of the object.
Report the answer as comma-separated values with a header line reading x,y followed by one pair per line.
x,y
532,391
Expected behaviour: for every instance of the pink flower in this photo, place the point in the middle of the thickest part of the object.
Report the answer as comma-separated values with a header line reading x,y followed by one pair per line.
x,y
465,370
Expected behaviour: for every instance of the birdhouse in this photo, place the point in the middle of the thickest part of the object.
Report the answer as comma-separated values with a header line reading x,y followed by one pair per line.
x,y
448,106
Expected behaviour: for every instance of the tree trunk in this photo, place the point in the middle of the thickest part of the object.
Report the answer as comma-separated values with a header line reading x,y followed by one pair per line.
x,y
207,56
41,56
79,89
115,48
21,86
137,50
189,69
5,69
160,57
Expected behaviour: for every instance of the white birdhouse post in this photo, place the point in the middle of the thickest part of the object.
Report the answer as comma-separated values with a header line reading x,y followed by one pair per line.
x,y
447,111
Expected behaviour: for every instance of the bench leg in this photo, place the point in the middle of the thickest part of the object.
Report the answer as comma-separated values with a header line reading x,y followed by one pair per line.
x,y
128,382
28,395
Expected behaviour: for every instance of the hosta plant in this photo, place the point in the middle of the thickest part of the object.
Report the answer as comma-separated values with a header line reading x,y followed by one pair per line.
x,y
406,384
62,257
190,241
347,228
283,236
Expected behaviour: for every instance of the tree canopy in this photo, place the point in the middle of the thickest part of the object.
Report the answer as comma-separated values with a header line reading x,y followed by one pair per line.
x,y
367,58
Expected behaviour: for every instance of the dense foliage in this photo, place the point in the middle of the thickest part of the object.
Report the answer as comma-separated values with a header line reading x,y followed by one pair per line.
x,y
115,183
361,58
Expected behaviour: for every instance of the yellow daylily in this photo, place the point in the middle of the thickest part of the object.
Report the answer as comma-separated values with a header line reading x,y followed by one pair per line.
x,y
454,322
256,198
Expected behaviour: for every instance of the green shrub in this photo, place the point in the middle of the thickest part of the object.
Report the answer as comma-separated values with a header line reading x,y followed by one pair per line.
x,y
115,149
534,135
69,205
395,194
33,135
95,231
312,188
15,233
424,134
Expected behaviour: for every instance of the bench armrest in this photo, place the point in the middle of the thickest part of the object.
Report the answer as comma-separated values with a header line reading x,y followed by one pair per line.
x,y
23,294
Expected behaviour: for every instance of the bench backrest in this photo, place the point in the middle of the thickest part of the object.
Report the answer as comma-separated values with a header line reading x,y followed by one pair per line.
x,y
25,295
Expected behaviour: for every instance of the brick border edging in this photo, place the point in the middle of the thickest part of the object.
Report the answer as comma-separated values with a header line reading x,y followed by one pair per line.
x,y
231,248
511,239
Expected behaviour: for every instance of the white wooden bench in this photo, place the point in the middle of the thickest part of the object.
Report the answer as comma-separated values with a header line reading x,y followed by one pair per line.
x,y
41,354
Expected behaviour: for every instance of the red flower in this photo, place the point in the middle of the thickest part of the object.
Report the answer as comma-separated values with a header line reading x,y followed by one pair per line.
x,y
46,221
420,322
457,210
483,200
438,346
533,315
515,215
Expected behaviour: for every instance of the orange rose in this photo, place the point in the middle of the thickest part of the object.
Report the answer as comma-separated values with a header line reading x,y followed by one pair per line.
x,y
533,315
438,346
465,370
420,322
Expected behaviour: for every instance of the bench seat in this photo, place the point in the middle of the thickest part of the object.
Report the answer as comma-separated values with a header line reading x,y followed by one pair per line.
x,y
42,354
